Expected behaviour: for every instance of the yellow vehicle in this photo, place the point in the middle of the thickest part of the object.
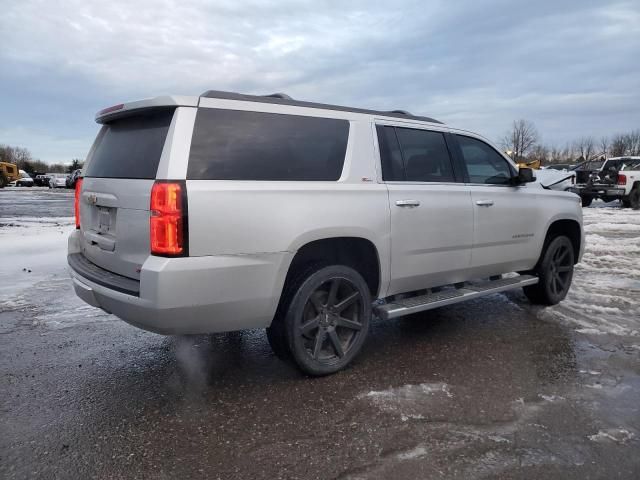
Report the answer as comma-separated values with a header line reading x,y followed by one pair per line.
x,y
8,173
535,164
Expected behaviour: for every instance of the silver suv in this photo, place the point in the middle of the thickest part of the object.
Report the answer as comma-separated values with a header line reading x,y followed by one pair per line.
x,y
227,212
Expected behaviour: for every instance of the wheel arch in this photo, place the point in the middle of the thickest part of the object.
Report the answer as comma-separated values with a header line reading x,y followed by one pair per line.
x,y
568,227
357,252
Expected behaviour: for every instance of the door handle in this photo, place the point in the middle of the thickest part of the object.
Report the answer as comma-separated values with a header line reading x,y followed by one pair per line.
x,y
484,203
408,203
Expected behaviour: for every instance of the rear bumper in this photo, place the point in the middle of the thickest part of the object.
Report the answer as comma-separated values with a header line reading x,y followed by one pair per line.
x,y
598,191
189,295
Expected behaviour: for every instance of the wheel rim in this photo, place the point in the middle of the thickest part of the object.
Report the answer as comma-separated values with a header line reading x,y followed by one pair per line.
x,y
560,270
331,321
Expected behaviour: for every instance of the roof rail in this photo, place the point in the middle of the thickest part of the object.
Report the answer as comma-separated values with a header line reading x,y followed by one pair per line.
x,y
284,96
284,99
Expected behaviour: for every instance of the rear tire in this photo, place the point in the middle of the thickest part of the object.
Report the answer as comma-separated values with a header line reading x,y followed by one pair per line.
x,y
323,319
586,200
555,271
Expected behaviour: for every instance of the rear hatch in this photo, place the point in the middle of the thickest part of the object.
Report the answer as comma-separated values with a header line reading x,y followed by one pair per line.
x,y
114,202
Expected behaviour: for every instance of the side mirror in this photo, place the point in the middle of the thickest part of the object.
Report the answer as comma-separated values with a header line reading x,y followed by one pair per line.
x,y
525,175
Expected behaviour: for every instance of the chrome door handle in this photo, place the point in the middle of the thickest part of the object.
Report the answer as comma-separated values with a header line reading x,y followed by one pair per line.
x,y
408,203
484,203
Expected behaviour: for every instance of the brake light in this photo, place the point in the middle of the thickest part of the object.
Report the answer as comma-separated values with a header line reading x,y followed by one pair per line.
x,y
76,201
168,219
114,108
622,179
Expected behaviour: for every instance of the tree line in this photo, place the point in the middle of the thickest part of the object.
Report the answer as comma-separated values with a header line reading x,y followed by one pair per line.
x,y
25,161
522,143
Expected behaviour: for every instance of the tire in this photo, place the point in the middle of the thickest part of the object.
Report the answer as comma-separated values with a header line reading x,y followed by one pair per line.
x,y
323,319
555,271
3,180
634,198
586,200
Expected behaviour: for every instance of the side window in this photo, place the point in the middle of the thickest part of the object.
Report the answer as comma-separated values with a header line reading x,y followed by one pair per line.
x,y
239,145
484,164
390,156
426,157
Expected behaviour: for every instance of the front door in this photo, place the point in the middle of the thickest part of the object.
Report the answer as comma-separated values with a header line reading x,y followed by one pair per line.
x,y
505,216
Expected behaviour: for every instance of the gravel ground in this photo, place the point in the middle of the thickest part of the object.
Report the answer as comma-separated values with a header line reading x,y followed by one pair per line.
x,y
495,388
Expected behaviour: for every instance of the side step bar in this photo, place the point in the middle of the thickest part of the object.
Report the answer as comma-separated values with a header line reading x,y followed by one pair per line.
x,y
420,303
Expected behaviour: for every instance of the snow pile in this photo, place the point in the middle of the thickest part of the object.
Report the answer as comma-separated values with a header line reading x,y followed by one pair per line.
x,y
605,294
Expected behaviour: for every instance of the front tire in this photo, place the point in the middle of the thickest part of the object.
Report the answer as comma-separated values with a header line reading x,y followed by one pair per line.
x,y
586,200
555,271
324,320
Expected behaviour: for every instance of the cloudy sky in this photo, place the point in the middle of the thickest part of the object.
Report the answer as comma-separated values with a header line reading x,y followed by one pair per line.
x,y
570,66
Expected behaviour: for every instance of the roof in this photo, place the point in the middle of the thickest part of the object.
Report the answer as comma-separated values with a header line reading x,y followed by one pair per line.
x,y
284,99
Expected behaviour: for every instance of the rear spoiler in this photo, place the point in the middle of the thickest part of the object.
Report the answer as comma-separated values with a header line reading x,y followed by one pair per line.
x,y
125,109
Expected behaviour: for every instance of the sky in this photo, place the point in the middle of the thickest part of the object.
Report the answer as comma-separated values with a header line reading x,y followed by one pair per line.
x,y
571,67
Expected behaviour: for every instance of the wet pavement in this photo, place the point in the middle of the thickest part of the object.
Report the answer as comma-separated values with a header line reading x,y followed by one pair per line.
x,y
495,388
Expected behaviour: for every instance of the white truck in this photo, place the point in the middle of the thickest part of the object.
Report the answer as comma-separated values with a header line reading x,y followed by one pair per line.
x,y
616,178
228,211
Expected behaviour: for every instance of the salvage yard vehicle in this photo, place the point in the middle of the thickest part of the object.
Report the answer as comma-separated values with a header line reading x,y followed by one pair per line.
x,y
616,178
57,180
8,173
227,212
25,180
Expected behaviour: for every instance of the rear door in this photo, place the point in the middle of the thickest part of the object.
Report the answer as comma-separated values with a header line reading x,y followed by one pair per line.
x,y
431,214
114,203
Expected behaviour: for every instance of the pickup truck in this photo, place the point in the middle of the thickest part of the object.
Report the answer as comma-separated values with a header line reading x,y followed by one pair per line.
x,y
616,178
226,211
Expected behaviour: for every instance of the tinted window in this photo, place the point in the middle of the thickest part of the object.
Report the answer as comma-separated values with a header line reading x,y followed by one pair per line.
x,y
426,158
130,147
237,145
390,156
484,164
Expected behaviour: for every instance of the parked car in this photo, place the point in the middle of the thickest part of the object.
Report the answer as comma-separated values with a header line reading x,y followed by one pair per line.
x,y
238,211
25,180
616,178
41,180
57,180
73,177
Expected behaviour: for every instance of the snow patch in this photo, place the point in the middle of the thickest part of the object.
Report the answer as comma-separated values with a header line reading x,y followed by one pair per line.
x,y
617,435
411,454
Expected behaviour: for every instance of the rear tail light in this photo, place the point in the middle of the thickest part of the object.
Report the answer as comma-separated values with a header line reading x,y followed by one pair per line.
x,y
622,179
76,201
168,222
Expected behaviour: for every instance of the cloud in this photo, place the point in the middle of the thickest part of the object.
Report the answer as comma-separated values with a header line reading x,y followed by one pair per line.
x,y
568,66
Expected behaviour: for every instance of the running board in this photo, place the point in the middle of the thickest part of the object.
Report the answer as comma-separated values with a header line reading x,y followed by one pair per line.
x,y
469,291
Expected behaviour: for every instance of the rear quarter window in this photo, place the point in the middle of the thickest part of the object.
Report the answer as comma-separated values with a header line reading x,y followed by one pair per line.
x,y
240,145
130,147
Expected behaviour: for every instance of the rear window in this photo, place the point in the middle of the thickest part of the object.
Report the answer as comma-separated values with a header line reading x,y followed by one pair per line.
x,y
130,147
238,145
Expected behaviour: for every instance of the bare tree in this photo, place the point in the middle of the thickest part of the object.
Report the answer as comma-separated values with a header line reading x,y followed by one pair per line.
x,y
585,146
520,139
633,142
604,146
618,145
